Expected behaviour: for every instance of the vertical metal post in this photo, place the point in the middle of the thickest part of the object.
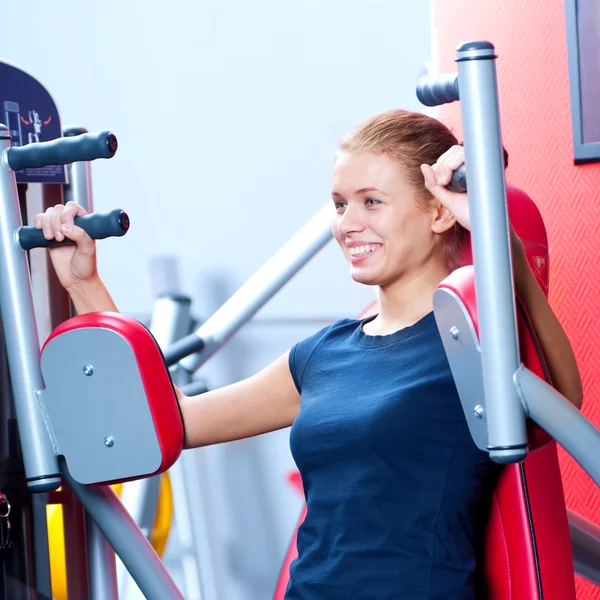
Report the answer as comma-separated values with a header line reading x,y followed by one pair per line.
x,y
101,563
491,250
16,306
170,321
126,538
52,307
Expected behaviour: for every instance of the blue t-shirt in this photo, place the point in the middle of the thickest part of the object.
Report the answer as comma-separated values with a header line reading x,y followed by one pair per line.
x,y
392,478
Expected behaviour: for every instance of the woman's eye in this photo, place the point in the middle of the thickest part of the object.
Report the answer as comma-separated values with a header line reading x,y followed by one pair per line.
x,y
371,202
339,205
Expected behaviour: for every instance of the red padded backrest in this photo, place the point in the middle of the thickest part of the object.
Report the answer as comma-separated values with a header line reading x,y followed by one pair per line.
x,y
527,548
162,400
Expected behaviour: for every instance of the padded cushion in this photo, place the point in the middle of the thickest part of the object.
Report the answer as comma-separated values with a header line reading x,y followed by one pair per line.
x,y
156,380
527,549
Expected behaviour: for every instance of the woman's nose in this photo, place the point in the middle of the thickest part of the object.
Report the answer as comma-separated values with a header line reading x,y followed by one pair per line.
x,y
350,221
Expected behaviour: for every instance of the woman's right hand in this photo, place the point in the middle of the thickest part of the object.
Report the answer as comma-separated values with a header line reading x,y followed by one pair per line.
x,y
73,264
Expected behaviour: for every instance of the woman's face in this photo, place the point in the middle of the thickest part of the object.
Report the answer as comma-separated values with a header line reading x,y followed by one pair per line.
x,y
384,234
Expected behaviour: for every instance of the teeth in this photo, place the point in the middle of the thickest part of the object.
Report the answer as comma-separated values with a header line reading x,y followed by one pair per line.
x,y
359,250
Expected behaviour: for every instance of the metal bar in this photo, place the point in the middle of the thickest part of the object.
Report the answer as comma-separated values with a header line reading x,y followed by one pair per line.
x,y
565,423
126,538
43,585
16,306
585,543
171,320
76,552
136,496
100,563
260,288
484,160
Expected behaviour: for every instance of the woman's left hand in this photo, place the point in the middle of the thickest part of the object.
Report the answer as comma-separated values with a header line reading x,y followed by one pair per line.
x,y
438,176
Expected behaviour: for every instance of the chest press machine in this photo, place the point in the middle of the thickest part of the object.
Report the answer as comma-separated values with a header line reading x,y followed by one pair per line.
x,y
532,544
97,406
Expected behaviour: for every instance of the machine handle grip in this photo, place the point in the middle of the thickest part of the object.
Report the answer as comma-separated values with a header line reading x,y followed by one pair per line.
x,y
459,180
62,151
441,89
99,226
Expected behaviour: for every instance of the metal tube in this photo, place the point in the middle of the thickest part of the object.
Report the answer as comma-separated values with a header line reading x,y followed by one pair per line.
x,y
556,415
494,284
79,189
16,306
102,572
585,543
101,563
126,538
171,320
261,287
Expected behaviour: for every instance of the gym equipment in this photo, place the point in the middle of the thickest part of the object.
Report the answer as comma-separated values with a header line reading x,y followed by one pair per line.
x,y
499,368
41,410
52,451
37,458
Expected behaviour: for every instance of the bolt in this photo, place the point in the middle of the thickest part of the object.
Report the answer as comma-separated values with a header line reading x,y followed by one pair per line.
x,y
88,370
454,332
478,411
109,441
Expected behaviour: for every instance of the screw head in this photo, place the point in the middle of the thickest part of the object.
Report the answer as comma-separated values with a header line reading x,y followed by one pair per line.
x,y
454,332
109,441
478,411
88,370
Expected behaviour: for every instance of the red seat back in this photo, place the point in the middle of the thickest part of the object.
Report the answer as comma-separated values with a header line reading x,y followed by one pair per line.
x,y
526,546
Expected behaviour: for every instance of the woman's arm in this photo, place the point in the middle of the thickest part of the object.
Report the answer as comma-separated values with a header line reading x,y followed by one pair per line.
x,y
264,402
556,348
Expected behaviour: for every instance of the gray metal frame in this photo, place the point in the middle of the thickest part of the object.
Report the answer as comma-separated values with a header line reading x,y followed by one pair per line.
x,y
496,390
505,394
39,455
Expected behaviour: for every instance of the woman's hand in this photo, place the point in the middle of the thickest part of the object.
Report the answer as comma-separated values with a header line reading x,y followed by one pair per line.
x,y
438,176
76,263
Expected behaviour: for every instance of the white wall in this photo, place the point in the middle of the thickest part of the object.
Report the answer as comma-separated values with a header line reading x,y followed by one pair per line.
x,y
228,114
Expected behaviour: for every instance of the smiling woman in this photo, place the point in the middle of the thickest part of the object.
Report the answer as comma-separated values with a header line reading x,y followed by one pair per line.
x,y
393,231
392,477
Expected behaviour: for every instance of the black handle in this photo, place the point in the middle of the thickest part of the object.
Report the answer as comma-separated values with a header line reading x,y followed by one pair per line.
x,y
98,225
459,180
442,89
63,151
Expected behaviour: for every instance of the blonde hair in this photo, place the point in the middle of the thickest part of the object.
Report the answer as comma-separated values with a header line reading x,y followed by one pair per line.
x,y
411,139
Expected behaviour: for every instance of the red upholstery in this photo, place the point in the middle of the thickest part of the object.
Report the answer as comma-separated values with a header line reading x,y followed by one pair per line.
x,y
292,553
158,386
527,549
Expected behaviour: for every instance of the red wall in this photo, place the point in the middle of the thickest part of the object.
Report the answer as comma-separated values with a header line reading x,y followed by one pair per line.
x,y
530,40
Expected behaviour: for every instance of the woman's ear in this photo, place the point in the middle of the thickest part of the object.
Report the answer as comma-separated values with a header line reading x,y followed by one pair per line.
x,y
442,219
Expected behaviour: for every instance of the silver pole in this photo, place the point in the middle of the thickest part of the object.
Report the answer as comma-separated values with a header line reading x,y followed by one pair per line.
x,y
494,284
565,423
585,543
102,568
79,189
127,539
171,320
261,287
18,317
102,576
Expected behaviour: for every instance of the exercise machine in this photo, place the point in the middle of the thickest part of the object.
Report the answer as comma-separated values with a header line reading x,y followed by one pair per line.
x,y
533,545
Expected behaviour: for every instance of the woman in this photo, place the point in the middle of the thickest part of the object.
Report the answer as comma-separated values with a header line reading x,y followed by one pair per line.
x,y
392,478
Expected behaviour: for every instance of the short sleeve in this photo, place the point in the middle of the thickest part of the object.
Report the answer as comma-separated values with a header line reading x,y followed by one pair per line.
x,y
300,355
